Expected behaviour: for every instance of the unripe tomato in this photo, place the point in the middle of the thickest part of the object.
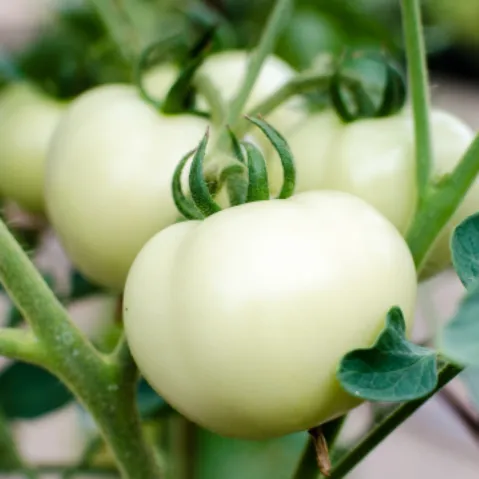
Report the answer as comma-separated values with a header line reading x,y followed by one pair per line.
x,y
108,178
311,142
240,321
374,159
28,119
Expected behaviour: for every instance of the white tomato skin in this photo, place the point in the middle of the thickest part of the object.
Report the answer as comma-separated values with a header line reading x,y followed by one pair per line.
x,y
159,79
28,119
108,178
240,321
374,159
311,142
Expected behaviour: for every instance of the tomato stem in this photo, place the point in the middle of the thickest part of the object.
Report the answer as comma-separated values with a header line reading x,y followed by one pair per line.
x,y
275,24
21,345
419,85
441,203
106,388
302,83
212,96
388,425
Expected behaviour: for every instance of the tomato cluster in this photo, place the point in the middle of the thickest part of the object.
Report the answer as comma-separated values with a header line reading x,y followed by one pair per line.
x,y
238,320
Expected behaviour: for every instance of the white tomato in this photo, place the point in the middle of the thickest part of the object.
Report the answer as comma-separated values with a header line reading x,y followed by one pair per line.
x,y
28,119
108,178
240,321
374,159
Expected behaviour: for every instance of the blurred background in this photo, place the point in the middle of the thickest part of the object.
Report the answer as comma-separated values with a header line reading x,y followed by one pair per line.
x,y
63,47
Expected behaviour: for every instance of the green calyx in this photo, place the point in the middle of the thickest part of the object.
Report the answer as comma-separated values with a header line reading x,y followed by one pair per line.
x,y
181,95
245,179
354,97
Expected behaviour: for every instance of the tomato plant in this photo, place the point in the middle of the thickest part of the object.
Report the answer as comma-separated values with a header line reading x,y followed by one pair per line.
x,y
260,255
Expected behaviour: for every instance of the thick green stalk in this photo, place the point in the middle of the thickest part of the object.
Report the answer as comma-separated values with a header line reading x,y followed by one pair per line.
x,y
300,84
419,83
22,346
441,203
213,98
105,387
387,426
276,22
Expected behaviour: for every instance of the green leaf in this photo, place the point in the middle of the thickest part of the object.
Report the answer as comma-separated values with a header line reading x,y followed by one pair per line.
x,y
149,402
460,337
465,250
393,370
28,392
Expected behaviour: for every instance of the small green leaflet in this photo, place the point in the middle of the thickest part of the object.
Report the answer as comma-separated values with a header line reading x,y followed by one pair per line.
x,y
393,370
460,337
465,250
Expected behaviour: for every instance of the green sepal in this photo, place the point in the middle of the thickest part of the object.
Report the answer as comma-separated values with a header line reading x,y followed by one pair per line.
x,y
395,91
350,97
236,146
364,105
258,186
286,156
234,176
393,370
181,96
183,204
160,49
199,188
